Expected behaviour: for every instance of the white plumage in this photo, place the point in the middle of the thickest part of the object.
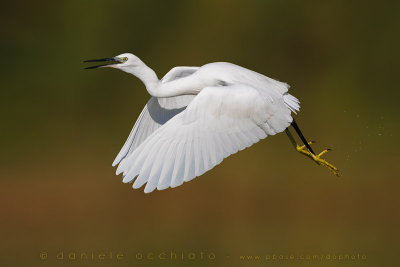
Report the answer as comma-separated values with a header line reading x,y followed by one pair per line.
x,y
196,117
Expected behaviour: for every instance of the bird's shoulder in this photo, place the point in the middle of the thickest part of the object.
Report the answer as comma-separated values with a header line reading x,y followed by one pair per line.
x,y
221,66
178,72
229,72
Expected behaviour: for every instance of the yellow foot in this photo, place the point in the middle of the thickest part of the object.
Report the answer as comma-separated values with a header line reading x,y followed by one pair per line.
x,y
317,158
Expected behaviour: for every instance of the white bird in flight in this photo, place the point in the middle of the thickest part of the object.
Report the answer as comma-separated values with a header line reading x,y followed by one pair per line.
x,y
197,116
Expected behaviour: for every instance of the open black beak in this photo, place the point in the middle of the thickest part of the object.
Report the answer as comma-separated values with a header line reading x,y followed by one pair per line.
x,y
110,61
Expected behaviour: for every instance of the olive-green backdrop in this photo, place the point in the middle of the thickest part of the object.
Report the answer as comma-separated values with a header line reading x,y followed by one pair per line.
x,y
62,126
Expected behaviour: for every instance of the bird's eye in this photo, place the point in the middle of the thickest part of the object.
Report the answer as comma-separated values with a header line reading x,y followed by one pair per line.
x,y
124,59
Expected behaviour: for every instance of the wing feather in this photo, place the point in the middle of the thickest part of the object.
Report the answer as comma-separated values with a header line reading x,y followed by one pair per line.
x,y
156,113
219,122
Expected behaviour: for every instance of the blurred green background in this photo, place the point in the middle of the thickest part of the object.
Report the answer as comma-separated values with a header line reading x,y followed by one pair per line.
x,y
62,126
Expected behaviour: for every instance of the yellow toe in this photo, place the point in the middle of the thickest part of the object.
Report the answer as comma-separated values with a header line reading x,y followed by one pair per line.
x,y
317,158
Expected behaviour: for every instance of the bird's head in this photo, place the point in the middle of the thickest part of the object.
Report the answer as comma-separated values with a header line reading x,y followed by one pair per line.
x,y
122,62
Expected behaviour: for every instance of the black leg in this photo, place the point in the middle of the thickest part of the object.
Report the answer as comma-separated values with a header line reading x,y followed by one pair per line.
x,y
291,138
296,127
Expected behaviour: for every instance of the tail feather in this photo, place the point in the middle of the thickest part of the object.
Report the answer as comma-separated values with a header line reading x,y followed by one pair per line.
x,y
291,102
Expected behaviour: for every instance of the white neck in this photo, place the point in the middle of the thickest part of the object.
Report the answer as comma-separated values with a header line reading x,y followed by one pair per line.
x,y
155,87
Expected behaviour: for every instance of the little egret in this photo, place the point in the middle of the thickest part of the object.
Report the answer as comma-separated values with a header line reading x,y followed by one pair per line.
x,y
197,116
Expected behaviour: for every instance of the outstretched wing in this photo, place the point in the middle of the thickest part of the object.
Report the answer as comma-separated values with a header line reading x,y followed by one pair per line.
x,y
156,113
219,122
